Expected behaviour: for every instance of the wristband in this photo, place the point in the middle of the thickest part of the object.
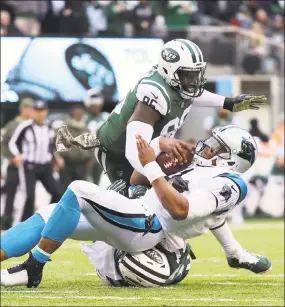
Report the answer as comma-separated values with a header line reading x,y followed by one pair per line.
x,y
229,104
155,145
153,171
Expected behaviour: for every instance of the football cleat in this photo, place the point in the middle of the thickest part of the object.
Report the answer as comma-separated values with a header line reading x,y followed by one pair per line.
x,y
249,261
28,273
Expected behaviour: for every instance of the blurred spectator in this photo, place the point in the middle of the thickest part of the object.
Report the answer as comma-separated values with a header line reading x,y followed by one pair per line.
x,y
256,132
29,15
7,25
12,175
95,118
261,17
278,29
252,62
74,20
275,187
50,24
143,17
178,15
243,18
75,161
96,18
116,17
221,117
159,28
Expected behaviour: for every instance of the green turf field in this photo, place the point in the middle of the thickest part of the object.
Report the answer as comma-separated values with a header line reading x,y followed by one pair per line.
x,y
70,279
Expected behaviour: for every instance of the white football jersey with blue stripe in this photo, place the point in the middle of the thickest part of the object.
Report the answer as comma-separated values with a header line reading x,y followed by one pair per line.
x,y
213,193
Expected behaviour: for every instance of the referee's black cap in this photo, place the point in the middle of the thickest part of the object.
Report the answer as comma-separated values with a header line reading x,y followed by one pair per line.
x,y
40,105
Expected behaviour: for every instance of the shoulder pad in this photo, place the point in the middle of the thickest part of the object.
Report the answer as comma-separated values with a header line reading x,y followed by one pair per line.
x,y
154,95
229,190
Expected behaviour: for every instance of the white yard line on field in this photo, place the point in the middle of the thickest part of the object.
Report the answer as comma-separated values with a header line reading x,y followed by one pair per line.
x,y
120,298
244,283
216,275
254,226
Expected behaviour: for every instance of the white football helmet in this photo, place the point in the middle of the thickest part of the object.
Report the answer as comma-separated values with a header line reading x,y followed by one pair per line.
x,y
156,267
230,146
182,66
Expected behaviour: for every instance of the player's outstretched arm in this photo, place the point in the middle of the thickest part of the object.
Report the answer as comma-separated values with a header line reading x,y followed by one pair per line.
x,y
234,104
64,140
174,202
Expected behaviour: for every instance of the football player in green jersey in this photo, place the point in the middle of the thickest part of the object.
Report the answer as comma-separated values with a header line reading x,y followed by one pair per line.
x,y
155,108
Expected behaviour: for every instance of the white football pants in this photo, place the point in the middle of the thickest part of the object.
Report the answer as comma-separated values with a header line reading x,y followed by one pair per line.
x,y
111,217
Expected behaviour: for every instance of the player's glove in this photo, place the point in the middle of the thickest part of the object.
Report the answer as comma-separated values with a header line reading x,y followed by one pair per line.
x,y
137,191
179,184
119,186
63,139
244,102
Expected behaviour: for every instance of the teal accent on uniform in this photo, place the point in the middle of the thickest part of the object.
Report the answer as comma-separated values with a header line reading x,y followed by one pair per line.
x,y
239,182
137,223
22,237
64,218
224,88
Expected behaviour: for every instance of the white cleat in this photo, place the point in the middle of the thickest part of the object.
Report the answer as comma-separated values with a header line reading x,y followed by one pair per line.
x,y
19,278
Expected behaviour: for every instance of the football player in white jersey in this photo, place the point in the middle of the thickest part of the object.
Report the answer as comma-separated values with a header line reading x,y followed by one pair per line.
x,y
212,188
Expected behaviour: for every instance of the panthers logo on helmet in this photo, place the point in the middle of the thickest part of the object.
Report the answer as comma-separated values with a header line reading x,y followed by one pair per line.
x,y
170,55
247,151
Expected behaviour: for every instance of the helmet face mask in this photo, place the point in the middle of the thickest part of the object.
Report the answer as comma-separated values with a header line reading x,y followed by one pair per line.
x,y
230,147
212,147
191,82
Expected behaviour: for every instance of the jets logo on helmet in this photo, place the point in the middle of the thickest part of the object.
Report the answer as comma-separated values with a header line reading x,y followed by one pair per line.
x,y
155,267
153,255
170,55
182,66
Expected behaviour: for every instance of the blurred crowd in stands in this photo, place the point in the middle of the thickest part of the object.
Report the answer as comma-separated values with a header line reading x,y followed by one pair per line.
x,y
160,19
141,18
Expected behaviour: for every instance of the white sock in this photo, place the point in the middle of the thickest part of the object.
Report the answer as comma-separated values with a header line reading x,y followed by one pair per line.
x,y
225,236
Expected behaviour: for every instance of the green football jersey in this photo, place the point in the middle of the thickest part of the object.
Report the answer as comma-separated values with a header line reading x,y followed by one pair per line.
x,y
152,90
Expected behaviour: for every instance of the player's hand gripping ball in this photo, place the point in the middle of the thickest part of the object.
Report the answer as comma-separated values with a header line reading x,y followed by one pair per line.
x,y
171,165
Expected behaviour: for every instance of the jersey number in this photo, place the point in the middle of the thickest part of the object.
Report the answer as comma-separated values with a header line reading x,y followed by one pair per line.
x,y
172,126
150,102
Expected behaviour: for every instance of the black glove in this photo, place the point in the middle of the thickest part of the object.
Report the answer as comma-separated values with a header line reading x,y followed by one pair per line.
x,y
244,102
179,184
137,191
119,186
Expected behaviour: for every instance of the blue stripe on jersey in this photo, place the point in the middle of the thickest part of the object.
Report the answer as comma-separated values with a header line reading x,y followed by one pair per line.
x,y
239,182
133,222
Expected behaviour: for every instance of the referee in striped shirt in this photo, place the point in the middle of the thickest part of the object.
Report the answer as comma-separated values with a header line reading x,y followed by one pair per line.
x,y
32,146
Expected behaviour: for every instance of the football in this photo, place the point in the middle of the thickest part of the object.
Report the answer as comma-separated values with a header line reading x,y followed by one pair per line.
x,y
171,166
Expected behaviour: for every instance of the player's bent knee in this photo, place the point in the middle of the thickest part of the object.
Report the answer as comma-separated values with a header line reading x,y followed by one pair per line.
x,y
46,211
